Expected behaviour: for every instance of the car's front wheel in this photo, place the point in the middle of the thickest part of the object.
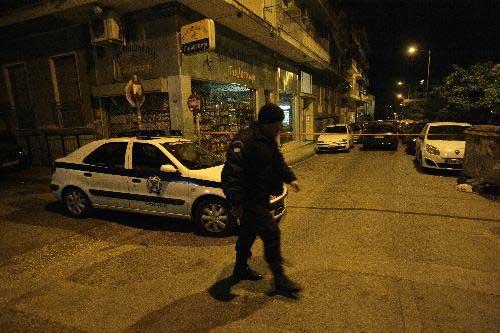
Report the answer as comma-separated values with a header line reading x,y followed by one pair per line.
x,y
212,217
76,202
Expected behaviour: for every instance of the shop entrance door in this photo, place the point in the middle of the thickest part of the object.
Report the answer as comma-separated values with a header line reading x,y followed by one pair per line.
x,y
307,123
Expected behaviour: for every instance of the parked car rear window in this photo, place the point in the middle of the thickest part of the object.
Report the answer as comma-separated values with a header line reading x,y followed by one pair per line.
x,y
447,132
379,129
335,129
110,154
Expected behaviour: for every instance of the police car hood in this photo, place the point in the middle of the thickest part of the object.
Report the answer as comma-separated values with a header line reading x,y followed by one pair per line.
x,y
212,174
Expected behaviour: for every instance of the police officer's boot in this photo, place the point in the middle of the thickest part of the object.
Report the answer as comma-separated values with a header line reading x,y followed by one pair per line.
x,y
244,272
282,284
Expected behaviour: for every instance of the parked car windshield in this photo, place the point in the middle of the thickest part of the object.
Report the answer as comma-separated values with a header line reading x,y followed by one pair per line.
x,y
417,128
447,132
193,156
335,129
379,129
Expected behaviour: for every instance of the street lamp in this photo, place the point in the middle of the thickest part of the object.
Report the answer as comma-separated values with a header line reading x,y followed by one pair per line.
x,y
401,83
400,95
412,49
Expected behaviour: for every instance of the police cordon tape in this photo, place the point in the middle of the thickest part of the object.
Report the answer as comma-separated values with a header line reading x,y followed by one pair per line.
x,y
320,133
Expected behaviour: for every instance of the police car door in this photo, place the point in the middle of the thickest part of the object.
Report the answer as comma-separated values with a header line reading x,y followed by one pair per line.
x,y
151,189
103,174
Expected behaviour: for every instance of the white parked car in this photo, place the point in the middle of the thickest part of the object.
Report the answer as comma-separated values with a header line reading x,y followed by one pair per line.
x,y
441,145
159,175
335,137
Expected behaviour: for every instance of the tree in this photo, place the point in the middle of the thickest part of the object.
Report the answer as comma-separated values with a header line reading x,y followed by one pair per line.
x,y
470,94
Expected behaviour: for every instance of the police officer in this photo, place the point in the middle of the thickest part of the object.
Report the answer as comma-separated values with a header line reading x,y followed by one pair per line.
x,y
254,170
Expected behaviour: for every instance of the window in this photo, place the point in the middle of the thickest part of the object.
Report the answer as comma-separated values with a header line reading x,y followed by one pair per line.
x,y
193,156
16,79
147,156
109,154
65,79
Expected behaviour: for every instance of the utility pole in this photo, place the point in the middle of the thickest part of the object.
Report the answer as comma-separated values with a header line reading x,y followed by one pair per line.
x,y
428,75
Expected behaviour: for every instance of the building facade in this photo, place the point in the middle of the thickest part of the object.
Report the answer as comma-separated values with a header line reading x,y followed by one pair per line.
x,y
71,70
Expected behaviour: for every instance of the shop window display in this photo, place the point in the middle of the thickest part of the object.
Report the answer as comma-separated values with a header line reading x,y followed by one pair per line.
x,y
286,103
227,108
123,117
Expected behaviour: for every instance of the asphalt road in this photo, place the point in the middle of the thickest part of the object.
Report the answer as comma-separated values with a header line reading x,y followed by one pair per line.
x,y
377,245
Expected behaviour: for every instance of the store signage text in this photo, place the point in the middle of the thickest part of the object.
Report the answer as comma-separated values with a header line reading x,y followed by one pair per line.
x,y
198,37
241,74
134,59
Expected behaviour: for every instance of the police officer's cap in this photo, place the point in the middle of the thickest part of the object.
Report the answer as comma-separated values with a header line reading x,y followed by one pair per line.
x,y
270,113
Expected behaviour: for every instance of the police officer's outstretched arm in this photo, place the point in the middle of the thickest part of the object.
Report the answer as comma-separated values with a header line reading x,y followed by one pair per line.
x,y
287,173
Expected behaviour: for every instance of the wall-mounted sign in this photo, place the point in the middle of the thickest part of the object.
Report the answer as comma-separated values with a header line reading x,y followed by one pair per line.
x,y
198,37
135,92
305,83
134,59
240,73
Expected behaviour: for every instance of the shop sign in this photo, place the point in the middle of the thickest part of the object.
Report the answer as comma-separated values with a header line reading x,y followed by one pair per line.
x,y
134,59
134,92
305,83
198,37
239,73
195,102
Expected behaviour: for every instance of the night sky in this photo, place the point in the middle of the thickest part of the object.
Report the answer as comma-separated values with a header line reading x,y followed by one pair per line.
x,y
459,32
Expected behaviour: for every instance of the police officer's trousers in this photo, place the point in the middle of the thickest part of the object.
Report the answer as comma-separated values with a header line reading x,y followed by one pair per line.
x,y
258,221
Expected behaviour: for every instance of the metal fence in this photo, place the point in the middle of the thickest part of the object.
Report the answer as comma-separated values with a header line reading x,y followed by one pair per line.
x,y
44,147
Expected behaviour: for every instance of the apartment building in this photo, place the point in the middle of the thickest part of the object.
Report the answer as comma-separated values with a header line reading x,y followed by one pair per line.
x,y
71,69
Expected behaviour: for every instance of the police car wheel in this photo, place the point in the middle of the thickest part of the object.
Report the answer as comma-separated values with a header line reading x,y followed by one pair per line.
x,y
77,203
212,217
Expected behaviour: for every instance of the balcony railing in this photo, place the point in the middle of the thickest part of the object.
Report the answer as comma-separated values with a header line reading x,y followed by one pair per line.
x,y
298,28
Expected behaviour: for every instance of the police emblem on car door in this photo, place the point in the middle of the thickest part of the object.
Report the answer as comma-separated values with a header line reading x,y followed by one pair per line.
x,y
152,189
154,184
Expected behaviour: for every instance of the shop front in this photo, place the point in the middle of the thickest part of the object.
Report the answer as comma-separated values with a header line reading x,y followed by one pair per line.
x,y
234,82
288,91
123,119
227,108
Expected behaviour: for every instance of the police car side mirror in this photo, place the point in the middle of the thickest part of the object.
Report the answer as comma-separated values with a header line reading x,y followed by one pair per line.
x,y
168,168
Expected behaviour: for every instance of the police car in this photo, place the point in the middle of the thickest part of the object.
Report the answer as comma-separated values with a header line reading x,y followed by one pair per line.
x,y
169,176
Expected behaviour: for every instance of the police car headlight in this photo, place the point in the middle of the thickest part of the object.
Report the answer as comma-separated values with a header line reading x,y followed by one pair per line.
x,y
432,150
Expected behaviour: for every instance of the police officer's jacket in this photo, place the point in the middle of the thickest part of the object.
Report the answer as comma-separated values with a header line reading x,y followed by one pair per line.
x,y
254,168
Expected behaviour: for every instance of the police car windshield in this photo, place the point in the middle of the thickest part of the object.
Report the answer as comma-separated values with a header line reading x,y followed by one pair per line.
x,y
193,156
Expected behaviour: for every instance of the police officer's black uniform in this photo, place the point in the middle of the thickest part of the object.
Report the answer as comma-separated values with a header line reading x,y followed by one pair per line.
x,y
254,170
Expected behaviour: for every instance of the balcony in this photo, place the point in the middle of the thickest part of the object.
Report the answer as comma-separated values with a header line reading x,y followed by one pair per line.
x,y
296,31
272,27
